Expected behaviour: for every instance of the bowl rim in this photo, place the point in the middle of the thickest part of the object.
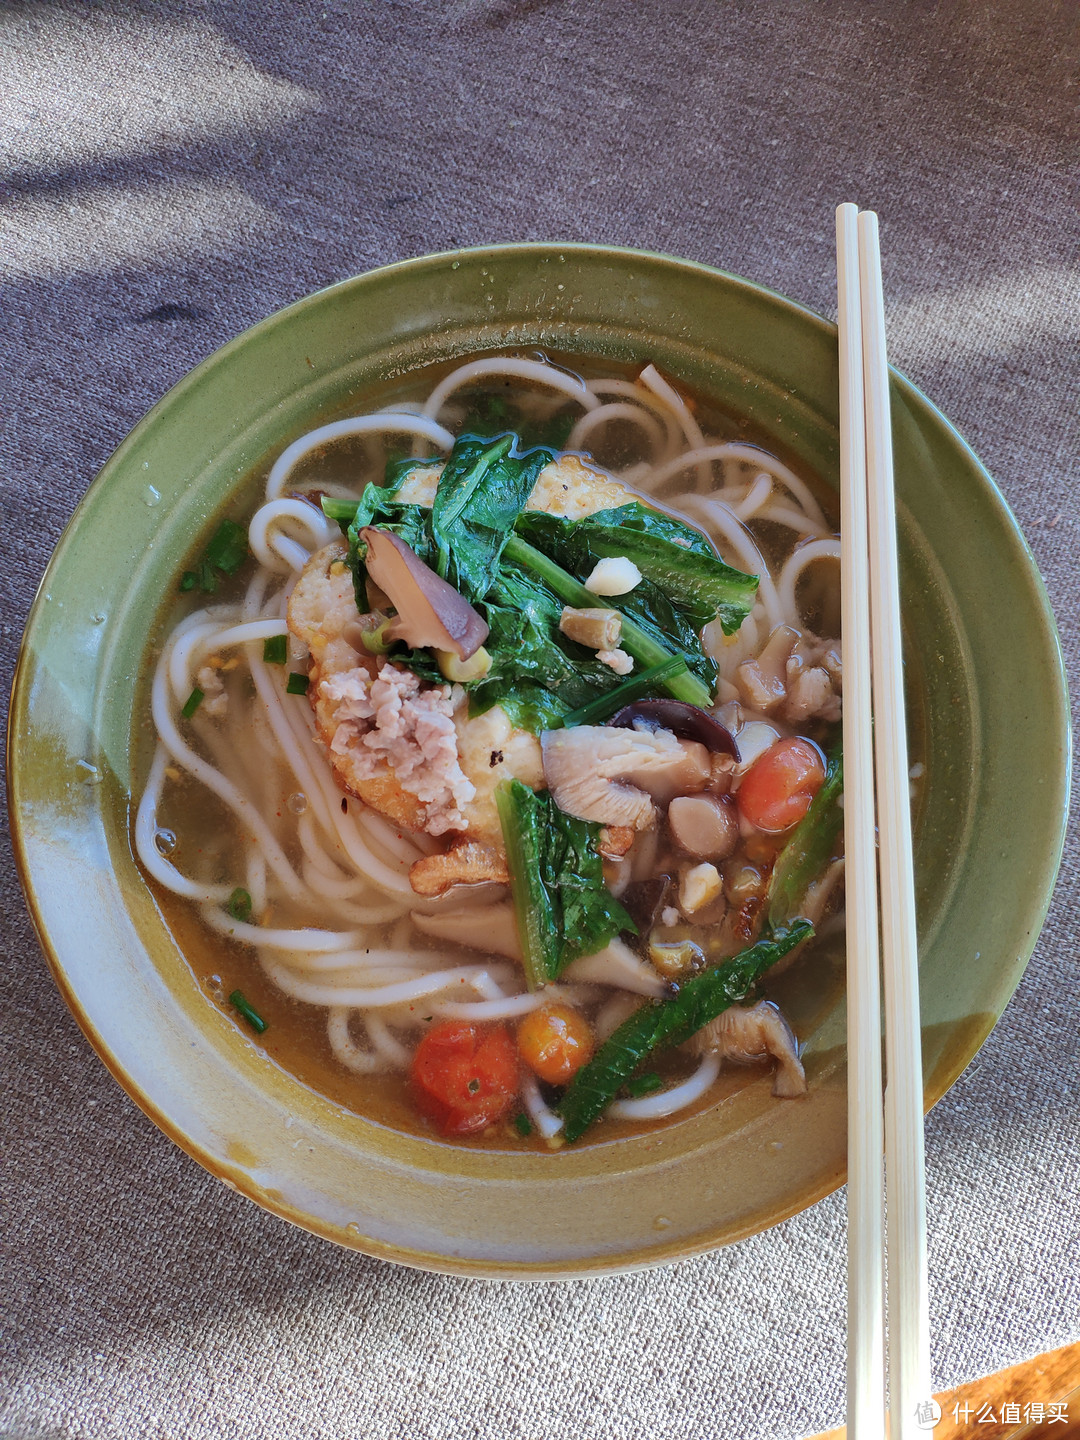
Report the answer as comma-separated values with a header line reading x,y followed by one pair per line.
x,y
238,1178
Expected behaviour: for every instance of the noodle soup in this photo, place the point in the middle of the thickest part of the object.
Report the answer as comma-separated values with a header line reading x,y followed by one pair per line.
x,y
535,901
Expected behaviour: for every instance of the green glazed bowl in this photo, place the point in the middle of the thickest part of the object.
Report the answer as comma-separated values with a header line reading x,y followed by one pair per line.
x,y
989,830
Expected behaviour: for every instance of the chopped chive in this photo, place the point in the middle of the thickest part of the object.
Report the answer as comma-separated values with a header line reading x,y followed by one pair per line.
x,y
643,1084
245,1009
188,580
228,547
604,706
239,906
275,650
522,1124
297,684
192,703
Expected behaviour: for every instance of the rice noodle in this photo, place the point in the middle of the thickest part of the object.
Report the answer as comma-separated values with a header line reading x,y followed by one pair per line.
x,y
534,370
384,423
667,1102
332,906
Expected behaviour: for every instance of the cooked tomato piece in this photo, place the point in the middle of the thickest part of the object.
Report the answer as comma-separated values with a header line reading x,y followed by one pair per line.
x,y
465,1076
555,1041
777,789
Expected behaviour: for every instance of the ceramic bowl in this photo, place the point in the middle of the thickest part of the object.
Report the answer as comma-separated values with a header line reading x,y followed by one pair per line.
x,y
989,829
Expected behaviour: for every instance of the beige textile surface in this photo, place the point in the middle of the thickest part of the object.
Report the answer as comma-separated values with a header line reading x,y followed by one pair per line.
x,y
177,171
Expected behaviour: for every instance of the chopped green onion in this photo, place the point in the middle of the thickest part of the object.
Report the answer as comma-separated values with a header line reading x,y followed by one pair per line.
x,y
188,580
635,641
645,1084
228,548
604,706
192,703
275,650
250,1014
239,905
297,684
522,1124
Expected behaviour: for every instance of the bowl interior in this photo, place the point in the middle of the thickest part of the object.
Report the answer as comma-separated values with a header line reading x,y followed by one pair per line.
x,y
983,657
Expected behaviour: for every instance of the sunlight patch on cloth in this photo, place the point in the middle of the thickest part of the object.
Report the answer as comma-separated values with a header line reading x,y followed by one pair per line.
x,y
102,86
989,317
111,226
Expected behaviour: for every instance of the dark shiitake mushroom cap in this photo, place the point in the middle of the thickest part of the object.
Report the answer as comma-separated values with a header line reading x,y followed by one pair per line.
x,y
430,612
688,722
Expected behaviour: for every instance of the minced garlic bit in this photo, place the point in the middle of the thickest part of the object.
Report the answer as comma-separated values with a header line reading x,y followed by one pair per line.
x,y
700,886
616,575
617,660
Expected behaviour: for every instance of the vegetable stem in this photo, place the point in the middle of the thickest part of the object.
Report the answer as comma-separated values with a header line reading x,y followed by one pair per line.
x,y
805,855
671,1022
599,710
635,642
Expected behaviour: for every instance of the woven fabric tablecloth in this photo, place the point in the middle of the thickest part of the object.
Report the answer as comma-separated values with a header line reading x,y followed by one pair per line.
x,y
180,170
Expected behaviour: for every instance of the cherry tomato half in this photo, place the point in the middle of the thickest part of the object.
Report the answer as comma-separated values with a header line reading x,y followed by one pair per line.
x,y
555,1041
777,789
465,1076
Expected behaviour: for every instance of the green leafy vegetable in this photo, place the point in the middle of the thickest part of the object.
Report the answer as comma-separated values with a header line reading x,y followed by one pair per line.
x,y
668,1023
247,1010
563,907
810,848
604,706
537,674
646,1084
481,492
676,560
239,906
522,1124
647,648
275,650
192,703
297,684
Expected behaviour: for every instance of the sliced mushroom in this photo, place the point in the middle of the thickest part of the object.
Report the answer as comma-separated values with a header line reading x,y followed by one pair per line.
x,y
469,864
704,826
491,929
430,612
746,1036
763,681
616,965
597,773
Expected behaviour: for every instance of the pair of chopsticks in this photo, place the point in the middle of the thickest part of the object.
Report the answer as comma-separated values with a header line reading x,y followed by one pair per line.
x,y
875,744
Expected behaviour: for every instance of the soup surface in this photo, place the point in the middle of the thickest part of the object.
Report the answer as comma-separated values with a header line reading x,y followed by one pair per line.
x,y
495,776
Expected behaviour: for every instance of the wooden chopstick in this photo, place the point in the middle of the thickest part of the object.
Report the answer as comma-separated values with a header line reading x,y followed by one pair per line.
x,y
871,628
865,1190
908,1310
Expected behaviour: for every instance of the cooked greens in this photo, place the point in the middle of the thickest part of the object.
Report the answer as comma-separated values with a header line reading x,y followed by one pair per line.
x,y
519,568
806,854
667,1023
563,907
